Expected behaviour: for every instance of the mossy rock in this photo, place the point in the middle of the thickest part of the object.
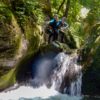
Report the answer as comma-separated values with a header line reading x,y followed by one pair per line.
x,y
91,76
10,44
7,80
10,35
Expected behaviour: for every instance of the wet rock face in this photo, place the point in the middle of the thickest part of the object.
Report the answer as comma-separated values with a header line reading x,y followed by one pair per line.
x,y
14,42
10,37
9,32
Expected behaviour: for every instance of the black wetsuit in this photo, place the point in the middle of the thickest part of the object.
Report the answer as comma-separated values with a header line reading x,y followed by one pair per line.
x,y
53,31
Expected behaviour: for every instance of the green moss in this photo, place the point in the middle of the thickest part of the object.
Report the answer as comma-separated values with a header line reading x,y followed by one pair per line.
x,y
64,47
55,47
34,36
7,79
70,39
10,38
5,13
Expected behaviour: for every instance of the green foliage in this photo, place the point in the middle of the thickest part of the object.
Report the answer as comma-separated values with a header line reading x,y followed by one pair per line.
x,y
94,6
5,13
95,32
90,3
74,12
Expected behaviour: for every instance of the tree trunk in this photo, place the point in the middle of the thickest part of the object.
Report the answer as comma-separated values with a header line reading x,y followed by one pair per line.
x,y
47,8
60,6
67,8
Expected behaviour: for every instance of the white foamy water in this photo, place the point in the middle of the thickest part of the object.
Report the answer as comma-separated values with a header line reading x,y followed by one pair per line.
x,y
29,93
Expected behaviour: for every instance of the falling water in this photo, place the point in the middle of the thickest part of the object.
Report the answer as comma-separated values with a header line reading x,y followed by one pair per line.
x,y
58,73
68,69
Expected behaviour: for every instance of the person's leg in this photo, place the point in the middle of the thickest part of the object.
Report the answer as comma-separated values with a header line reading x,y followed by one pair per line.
x,y
62,37
50,31
55,34
50,37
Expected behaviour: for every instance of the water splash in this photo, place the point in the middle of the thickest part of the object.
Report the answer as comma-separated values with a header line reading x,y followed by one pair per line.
x,y
29,93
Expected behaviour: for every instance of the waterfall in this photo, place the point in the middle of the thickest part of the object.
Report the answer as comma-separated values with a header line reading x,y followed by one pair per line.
x,y
61,72
75,87
52,75
67,76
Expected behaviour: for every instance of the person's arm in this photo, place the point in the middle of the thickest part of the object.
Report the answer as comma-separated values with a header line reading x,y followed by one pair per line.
x,y
65,26
51,21
50,24
59,24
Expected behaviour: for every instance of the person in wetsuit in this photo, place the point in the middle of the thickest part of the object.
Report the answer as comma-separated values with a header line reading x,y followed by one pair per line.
x,y
53,31
62,25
